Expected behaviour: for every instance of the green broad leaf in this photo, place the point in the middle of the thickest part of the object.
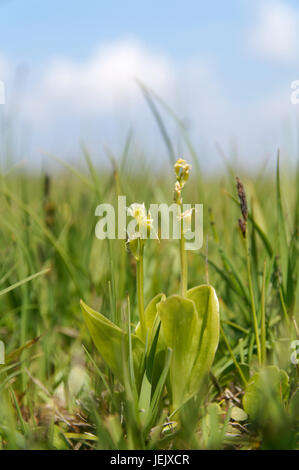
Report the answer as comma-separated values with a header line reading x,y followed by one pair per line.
x,y
207,306
267,389
150,314
111,341
180,329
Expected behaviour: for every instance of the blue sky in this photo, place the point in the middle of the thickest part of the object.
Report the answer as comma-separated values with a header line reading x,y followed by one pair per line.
x,y
236,58
33,30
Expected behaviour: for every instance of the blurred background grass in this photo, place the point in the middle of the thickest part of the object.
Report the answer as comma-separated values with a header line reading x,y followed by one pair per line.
x,y
51,389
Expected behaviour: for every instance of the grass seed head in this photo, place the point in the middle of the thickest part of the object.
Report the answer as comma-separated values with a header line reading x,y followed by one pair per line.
x,y
242,225
242,198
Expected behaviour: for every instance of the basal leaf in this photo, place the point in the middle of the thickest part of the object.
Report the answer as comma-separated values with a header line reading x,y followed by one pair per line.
x,y
207,306
111,341
180,328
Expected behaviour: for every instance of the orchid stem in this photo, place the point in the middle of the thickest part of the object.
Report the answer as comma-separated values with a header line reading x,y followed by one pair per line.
x,y
184,264
253,309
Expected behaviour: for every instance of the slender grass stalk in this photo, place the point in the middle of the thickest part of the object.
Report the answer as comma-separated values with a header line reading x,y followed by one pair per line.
x,y
283,305
242,376
237,327
131,364
263,317
252,302
100,373
241,344
19,413
20,283
140,287
24,328
296,327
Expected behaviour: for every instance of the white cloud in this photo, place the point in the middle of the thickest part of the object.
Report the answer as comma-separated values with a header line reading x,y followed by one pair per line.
x,y
275,34
4,74
103,83
98,100
4,68
99,97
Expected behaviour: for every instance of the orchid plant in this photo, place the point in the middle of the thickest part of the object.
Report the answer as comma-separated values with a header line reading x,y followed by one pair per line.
x,y
174,343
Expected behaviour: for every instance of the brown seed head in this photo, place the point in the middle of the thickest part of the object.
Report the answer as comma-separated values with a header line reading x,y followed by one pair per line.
x,y
242,225
242,198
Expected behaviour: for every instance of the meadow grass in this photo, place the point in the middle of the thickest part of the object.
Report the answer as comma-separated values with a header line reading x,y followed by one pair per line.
x,y
56,391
